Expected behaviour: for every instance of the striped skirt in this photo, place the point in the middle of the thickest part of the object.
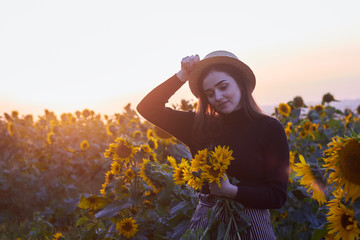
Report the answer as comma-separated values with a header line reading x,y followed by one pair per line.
x,y
260,228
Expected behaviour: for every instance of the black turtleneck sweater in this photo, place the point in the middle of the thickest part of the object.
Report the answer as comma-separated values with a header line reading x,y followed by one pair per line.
x,y
259,145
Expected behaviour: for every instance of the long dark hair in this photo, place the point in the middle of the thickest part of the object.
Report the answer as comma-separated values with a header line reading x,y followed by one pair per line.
x,y
207,119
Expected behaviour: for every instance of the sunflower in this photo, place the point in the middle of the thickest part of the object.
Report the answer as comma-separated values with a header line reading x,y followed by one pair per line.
x,y
172,161
199,160
127,227
179,172
307,126
288,130
29,118
153,143
214,172
147,204
84,145
312,182
338,195
110,129
222,154
146,174
54,127
349,118
149,133
14,114
284,109
152,157
342,158
163,136
50,138
298,102
93,202
302,134
146,148
123,149
137,134
217,164
11,128
319,108
64,118
116,168
193,179
291,163
103,189
129,174
110,152
58,236
327,98
86,113
72,119
342,222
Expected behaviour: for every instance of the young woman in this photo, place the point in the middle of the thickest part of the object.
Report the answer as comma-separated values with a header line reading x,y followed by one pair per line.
x,y
227,115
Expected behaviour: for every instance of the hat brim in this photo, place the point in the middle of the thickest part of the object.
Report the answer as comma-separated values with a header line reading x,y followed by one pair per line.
x,y
204,64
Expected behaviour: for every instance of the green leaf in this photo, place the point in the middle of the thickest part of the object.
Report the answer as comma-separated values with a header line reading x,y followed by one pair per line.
x,y
113,208
319,233
81,221
180,229
221,231
165,197
179,207
356,207
90,234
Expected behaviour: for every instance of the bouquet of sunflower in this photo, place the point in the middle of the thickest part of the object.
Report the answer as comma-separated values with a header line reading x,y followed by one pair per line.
x,y
224,219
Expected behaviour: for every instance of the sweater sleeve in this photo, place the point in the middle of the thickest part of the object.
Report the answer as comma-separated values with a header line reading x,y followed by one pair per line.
x,y
152,108
271,193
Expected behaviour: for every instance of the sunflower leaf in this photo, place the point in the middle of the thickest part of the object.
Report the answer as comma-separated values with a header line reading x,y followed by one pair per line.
x,y
180,206
320,232
113,208
356,207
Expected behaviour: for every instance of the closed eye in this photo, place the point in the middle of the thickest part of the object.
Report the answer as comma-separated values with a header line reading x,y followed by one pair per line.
x,y
223,86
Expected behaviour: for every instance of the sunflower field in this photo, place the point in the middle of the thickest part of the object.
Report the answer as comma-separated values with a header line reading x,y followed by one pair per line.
x,y
85,175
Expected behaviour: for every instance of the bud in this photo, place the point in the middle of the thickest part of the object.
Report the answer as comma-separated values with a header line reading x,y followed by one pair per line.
x,y
327,98
298,102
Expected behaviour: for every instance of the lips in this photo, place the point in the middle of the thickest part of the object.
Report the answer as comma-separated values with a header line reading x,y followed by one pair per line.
x,y
223,104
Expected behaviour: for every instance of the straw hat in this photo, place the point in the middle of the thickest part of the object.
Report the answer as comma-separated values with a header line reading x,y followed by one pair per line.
x,y
219,57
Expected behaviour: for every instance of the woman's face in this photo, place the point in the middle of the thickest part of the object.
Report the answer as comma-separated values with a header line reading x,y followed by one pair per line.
x,y
222,92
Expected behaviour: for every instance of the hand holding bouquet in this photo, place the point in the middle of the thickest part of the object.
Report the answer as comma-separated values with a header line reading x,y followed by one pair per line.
x,y
226,219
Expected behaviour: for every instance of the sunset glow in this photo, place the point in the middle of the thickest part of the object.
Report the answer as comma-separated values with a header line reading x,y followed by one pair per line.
x,y
67,56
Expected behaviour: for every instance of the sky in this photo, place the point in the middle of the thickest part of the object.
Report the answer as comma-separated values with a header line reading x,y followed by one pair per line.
x,y
100,55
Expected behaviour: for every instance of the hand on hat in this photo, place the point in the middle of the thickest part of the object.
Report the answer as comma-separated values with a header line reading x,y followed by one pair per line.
x,y
187,65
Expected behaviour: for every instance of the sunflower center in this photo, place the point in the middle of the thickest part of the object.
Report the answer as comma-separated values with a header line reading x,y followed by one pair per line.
x,y
127,227
161,133
350,161
214,173
130,174
181,173
110,177
123,151
346,221
307,126
151,144
284,109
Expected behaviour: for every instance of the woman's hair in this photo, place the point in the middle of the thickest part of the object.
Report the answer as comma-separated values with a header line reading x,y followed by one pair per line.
x,y
206,118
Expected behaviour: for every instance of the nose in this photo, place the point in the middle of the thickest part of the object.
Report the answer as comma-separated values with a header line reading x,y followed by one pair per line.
x,y
218,95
